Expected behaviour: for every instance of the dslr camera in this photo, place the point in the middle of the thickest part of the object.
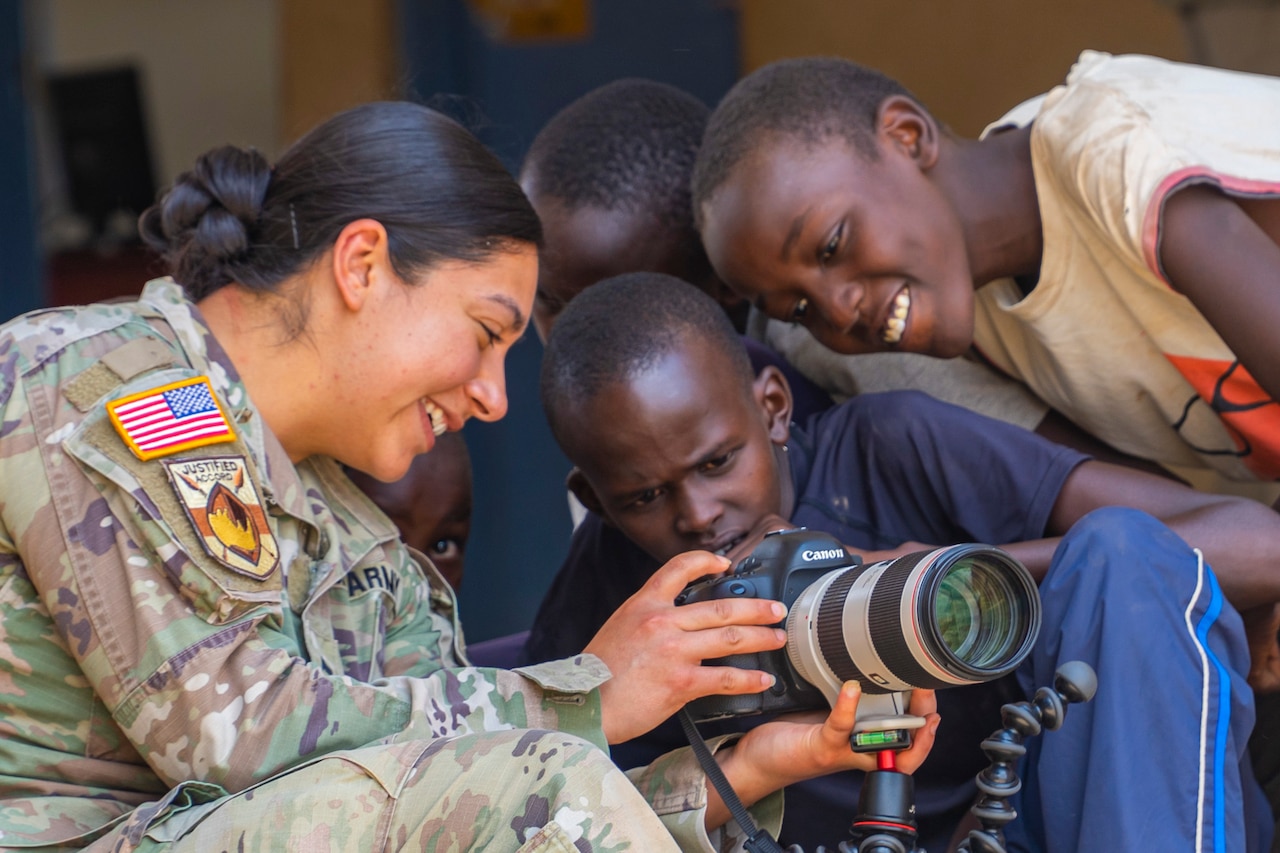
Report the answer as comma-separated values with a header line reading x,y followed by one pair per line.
x,y
957,615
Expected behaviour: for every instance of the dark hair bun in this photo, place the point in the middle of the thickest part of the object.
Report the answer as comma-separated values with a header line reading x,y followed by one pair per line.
x,y
205,224
438,192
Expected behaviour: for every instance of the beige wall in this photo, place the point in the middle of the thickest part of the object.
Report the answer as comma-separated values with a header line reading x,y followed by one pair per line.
x,y
208,66
334,54
1242,35
249,72
967,60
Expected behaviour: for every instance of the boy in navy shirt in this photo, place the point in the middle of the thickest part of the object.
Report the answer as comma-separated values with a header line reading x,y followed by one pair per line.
x,y
679,445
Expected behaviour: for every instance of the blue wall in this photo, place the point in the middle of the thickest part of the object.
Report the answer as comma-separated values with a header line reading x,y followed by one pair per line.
x,y
505,93
20,273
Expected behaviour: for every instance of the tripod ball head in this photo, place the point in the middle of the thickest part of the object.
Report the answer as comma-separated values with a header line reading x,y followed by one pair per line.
x,y
1076,681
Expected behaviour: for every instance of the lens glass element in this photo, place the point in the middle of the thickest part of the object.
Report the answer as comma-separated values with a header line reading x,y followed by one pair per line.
x,y
975,612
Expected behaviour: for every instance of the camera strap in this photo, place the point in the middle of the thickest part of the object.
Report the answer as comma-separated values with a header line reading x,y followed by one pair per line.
x,y
758,840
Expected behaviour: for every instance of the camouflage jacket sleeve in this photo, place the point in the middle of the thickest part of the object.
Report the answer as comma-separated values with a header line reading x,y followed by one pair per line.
x,y
677,788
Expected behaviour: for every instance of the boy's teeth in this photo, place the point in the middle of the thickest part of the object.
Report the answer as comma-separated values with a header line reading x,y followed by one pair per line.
x,y
438,424
897,323
720,552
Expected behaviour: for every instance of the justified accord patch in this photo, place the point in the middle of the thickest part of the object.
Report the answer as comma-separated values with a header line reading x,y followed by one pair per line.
x,y
222,502
170,419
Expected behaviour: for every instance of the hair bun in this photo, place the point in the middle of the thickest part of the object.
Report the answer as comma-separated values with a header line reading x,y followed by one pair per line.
x,y
205,223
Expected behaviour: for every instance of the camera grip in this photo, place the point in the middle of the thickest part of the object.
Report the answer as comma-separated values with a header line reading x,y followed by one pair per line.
x,y
717,706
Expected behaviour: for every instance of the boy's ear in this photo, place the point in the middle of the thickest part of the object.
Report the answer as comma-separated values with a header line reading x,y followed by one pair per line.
x,y
577,483
909,126
773,396
359,257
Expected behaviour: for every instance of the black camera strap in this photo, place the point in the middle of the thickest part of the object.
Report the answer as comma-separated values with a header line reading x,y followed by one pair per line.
x,y
758,840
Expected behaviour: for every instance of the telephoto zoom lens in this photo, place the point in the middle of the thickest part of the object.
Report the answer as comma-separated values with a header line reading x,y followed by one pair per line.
x,y
933,619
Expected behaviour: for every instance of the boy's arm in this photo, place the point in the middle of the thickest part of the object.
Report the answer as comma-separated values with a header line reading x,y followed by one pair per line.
x,y
1239,537
1228,265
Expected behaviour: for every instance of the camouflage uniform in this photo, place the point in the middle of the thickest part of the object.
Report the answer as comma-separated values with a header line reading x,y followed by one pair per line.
x,y
297,675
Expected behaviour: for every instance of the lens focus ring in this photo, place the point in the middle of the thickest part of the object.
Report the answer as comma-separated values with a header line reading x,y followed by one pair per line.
x,y
888,633
830,632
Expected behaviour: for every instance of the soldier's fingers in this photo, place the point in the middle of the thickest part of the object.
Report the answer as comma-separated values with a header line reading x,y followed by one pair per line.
x,y
715,643
728,681
680,571
719,612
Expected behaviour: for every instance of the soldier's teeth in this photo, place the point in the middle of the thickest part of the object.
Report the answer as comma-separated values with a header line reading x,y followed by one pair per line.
x,y
438,424
897,322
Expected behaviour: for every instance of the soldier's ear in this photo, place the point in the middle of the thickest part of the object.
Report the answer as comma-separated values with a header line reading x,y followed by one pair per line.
x,y
577,483
360,256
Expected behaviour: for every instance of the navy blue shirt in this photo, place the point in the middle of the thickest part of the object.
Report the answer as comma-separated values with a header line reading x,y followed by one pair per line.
x,y
876,471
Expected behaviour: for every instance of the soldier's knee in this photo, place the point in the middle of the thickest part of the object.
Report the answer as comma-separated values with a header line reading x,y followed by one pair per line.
x,y
553,752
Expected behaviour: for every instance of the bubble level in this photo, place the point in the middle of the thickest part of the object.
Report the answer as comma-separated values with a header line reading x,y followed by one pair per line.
x,y
884,739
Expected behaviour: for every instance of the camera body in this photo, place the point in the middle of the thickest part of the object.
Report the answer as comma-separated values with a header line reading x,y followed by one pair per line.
x,y
782,566
950,616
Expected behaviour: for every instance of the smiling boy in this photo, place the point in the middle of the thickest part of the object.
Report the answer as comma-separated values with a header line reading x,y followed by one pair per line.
x,y
1122,234
679,446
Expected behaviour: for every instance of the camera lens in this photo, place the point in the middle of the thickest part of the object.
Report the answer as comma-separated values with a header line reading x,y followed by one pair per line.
x,y
951,616
978,617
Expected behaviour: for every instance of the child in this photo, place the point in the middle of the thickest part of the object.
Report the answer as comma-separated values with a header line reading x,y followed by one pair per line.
x,y
430,505
1121,234
698,454
609,177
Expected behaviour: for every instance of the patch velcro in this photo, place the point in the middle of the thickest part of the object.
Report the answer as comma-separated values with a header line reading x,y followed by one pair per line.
x,y
119,365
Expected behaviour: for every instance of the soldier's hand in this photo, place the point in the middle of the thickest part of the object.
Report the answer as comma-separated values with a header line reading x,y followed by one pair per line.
x,y
655,649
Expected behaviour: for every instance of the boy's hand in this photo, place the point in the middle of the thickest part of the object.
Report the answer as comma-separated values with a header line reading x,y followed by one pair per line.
x,y
655,649
1262,629
902,550
802,746
770,523
763,527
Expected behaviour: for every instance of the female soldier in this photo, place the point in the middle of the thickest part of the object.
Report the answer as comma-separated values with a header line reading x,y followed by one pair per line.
x,y
210,637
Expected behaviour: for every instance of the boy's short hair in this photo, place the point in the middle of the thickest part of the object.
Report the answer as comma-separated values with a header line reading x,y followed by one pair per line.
x,y
810,98
623,326
628,145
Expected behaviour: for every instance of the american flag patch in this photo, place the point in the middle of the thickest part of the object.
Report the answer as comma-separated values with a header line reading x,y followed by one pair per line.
x,y
170,418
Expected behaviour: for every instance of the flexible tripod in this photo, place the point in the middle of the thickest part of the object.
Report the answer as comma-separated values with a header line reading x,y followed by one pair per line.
x,y
885,821
1075,681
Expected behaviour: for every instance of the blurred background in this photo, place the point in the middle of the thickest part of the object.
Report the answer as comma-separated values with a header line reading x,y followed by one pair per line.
x,y
103,102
